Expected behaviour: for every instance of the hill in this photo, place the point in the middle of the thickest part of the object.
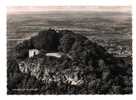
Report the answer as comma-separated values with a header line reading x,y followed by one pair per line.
x,y
84,68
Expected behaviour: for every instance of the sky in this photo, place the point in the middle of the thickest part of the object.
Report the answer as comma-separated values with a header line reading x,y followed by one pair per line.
x,y
69,2
28,9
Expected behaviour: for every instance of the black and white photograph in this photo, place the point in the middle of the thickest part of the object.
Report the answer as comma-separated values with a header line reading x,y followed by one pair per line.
x,y
69,50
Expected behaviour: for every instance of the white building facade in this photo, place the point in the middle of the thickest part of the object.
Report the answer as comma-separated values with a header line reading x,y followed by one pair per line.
x,y
33,52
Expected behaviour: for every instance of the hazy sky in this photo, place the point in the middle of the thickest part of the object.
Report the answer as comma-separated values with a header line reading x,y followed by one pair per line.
x,y
20,6
69,2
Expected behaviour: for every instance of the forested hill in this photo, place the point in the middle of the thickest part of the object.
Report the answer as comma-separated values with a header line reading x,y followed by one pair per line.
x,y
90,70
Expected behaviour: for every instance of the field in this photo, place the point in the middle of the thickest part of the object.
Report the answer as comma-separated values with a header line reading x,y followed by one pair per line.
x,y
110,29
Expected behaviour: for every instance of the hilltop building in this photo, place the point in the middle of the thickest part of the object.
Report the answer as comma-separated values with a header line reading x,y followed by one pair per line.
x,y
33,52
